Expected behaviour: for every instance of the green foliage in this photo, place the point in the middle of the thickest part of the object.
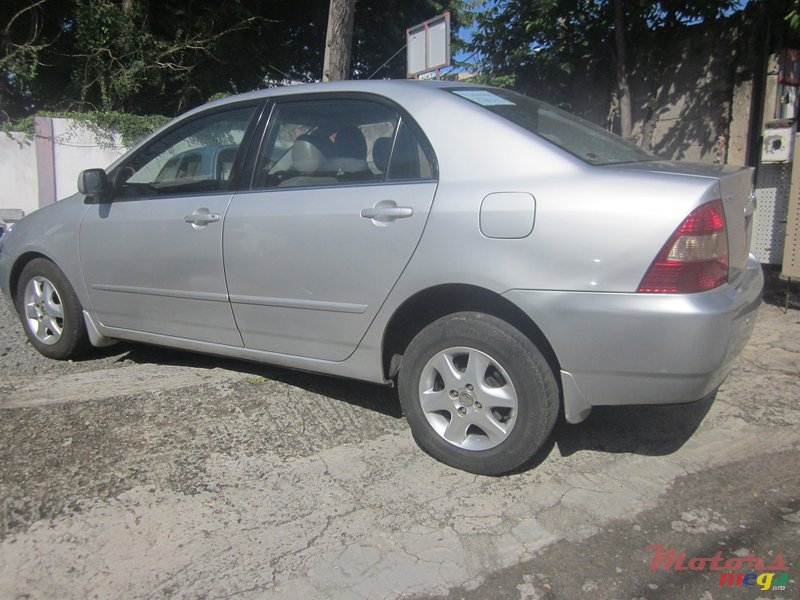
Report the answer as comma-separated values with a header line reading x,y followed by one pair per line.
x,y
218,96
130,127
104,125
116,55
123,55
20,59
144,57
793,18
541,47
504,81
22,43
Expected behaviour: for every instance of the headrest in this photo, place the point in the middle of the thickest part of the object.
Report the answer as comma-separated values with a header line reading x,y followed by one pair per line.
x,y
380,153
309,153
350,143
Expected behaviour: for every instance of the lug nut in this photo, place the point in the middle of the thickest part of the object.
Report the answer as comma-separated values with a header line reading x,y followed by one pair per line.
x,y
453,394
478,405
469,387
462,410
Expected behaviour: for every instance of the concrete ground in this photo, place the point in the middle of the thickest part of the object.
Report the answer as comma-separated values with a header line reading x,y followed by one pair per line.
x,y
147,473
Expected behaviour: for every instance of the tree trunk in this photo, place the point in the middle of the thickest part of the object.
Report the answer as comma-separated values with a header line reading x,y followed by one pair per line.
x,y
625,119
339,40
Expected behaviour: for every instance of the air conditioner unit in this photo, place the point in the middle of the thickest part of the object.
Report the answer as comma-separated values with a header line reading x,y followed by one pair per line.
x,y
777,144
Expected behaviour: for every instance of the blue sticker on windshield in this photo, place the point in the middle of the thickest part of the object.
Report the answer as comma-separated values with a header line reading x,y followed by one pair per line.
x,y
483,97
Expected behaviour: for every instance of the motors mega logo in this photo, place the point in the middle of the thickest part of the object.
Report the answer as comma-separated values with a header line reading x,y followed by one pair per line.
x,y
773,577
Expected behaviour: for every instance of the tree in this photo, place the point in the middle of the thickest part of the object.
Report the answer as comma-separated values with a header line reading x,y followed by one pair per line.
x,y
541,47
25,34
147,57
111,55
623,89
339,40
130,51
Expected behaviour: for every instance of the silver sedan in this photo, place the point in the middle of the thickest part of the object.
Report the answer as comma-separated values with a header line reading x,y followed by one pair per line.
x,y
499,260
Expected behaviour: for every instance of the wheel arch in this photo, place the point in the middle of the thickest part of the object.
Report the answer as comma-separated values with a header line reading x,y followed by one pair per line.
x,y
432,303
16,271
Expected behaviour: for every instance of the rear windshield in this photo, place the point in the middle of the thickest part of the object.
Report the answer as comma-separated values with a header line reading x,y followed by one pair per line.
x,y
585,140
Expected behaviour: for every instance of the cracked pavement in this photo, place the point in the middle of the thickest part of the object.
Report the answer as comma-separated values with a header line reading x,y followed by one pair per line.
x,y
146,473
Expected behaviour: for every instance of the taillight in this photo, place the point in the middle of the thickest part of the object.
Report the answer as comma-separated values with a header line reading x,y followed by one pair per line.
x,y
695,258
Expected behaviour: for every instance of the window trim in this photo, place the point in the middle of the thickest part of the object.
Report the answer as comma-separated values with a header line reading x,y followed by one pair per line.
x,y
238,172
401,124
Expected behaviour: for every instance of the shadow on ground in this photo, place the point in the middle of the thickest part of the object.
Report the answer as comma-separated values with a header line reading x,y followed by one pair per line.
x,y
646,430
782,293
374,397
643,430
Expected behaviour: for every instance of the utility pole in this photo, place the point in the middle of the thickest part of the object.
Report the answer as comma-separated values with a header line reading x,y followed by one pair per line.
x,y
339,40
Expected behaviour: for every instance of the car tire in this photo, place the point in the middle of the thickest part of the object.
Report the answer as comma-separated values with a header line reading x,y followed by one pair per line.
x,y
477,393
50,311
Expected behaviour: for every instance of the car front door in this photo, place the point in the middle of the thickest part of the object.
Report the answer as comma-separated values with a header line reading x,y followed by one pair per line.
x,y
152,255
340,196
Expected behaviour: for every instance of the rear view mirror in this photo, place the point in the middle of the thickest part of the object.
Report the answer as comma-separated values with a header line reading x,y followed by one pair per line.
x,y
94,183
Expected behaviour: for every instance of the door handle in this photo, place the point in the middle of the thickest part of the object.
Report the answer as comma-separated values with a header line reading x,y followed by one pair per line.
x,y
201,217
386,211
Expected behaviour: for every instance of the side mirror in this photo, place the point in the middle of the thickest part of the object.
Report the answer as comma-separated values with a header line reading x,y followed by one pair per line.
x,y
94,183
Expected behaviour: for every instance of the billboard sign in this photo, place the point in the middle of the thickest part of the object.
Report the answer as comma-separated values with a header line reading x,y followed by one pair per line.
x,y
428,46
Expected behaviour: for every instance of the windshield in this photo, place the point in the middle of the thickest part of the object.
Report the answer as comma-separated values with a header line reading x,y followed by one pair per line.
x,y
585,140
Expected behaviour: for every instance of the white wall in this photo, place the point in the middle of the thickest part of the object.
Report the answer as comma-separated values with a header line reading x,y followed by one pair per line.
x,y
77,148
19,187
72,148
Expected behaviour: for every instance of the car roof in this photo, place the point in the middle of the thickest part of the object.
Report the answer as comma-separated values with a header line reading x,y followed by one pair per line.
x,y
396,89
380,86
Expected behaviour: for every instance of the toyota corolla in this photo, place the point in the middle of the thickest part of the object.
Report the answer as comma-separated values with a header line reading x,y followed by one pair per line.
x,y
497,259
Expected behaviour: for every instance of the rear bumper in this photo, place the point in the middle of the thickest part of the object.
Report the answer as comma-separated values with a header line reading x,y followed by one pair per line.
x,y
630,348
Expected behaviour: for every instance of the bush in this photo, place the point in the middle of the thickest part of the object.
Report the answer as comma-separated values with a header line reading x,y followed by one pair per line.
x,y
103,124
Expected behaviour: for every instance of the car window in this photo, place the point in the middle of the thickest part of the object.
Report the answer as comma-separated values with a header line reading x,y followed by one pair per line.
x,y
408,158
195,158
335,142
225,159
585,140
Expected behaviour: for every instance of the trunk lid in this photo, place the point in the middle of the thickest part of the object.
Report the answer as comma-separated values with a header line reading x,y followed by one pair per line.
x,y
734,186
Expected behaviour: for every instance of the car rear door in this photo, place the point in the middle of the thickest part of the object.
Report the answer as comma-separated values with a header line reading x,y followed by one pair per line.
x,y
340,196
